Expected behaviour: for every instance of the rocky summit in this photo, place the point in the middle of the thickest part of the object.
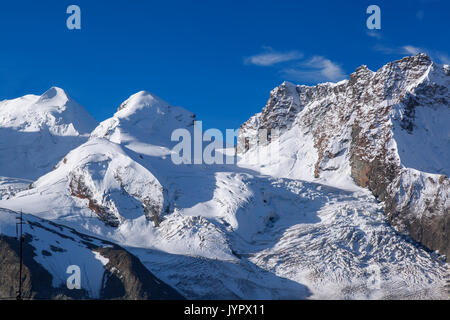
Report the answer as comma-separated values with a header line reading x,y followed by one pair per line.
x,y
387,131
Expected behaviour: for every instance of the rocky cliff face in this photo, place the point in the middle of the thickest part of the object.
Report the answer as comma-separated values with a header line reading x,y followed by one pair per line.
x,y
386,130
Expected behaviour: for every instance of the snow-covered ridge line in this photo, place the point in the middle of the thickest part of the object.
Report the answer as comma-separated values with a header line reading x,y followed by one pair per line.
x,y
51,248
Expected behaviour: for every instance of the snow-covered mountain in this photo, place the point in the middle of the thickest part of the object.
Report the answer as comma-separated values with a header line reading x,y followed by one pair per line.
x,y
306,223
388,131
37,131
99,175
146,119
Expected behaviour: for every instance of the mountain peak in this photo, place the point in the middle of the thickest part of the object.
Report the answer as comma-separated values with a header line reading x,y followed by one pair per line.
x,y
386,131
420,60
138,101
363,68
54,93
144,117
362,72
421,56
36,131
288,84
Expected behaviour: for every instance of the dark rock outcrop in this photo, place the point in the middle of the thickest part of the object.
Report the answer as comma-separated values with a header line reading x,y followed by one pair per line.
x,y
36,280
124,276
127,278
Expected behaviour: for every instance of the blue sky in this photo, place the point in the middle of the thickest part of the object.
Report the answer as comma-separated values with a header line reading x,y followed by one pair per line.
x,y
219,59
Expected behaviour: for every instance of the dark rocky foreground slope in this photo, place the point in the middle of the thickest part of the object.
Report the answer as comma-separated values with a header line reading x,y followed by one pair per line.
x,y
49,248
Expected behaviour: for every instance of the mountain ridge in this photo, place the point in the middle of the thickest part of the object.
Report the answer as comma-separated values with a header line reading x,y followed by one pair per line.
x,y
309,223
362,129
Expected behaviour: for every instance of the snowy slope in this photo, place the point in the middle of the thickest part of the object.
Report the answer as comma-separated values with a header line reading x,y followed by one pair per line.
x,y
95,180
142,121
37,131
225,231
256,237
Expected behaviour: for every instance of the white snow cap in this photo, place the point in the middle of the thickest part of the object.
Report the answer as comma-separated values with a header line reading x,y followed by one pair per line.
x,y
53,109
144,117
139,101
54,93
37,131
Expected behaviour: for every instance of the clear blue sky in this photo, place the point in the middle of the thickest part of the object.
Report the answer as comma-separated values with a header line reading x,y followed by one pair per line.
x,y
218,59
